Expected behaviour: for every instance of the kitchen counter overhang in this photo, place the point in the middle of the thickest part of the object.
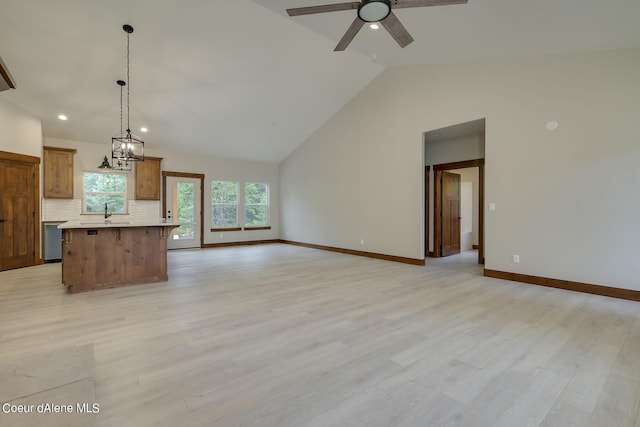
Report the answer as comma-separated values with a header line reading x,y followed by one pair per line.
x,y
116,223
99,254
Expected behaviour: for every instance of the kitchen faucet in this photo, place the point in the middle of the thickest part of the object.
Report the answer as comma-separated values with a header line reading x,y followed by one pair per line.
x,y
107,214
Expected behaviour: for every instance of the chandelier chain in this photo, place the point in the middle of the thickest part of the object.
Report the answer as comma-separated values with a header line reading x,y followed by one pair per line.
x,y
128,84
126,148
120,110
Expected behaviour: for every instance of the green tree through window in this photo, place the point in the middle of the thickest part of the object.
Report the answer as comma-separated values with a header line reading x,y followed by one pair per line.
x,y
224,204
256,204
101,188
185,209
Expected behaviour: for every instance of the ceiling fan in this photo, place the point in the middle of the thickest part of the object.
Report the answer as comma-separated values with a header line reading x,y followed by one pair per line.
x,y
373,11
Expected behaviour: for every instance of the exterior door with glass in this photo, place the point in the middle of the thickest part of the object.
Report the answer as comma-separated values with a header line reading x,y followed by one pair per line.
x,y
182,197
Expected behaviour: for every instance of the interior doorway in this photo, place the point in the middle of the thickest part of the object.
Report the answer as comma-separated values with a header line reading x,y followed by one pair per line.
x,y
456,149
182,203
447,213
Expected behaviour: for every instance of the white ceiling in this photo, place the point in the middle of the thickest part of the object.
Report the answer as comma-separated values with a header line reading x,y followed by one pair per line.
x,y
484,29
228,79
239,78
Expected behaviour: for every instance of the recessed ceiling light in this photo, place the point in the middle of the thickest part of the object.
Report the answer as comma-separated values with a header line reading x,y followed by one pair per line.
x,y
143,129
62,117
374,26
552,125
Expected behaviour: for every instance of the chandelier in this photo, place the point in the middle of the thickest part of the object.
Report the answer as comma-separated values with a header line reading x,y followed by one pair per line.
x,y
126,147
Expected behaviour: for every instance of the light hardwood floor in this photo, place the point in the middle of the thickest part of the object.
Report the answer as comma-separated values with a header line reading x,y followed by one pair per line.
x,y
279,335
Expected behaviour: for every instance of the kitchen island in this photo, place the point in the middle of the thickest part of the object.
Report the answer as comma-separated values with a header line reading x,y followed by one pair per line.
x,y
100,254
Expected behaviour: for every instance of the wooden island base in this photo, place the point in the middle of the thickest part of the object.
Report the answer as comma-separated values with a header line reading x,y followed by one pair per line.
x,y
110,256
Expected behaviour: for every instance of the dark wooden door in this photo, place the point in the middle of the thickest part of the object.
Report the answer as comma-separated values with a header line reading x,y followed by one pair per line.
x,y
450,213
17,214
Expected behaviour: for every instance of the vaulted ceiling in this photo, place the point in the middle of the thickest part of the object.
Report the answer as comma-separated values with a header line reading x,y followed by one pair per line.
x,y
241,79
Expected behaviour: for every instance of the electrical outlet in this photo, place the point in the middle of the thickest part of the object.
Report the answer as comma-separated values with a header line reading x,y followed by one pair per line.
x,y
221,235
287,234
362,241
516,259
492,207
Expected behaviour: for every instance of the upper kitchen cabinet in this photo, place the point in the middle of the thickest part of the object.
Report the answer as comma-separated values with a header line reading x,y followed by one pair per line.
x,y
148,179
58,172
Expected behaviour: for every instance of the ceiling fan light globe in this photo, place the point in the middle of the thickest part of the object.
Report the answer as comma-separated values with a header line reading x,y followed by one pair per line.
x,y
374,10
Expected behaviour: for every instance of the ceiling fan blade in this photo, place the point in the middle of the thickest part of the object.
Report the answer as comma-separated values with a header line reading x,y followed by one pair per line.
x,y
297,11
397,30
398,4
349,35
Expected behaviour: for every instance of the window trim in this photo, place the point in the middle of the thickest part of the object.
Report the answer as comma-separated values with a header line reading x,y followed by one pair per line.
x,y
222,230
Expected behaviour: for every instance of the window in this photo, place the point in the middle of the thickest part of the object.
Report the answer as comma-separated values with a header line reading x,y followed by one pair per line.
x,y
105,188
256,204
224,204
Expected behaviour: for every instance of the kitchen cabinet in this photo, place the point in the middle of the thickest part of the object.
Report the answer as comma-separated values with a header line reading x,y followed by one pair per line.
x,y
58,172
148,179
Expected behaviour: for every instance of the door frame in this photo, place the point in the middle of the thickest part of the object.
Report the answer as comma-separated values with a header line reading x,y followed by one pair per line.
x,y
427,252
199,176
35,164
437,209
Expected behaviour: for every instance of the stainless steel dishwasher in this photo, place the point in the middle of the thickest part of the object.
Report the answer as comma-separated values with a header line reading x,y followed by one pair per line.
x,y
52,242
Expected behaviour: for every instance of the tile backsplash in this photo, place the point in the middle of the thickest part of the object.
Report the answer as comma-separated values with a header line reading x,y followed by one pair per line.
x,y
71,209
144,208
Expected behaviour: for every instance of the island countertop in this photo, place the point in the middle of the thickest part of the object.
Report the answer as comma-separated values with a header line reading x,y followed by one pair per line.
x,y
117,223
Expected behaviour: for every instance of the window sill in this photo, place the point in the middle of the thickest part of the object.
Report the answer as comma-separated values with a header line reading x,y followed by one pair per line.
x,y
102,213
268,227
222,230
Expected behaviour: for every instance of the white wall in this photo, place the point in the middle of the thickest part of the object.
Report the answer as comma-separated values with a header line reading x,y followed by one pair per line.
x,y
19,132
216,168
471,176
466,215
567,201
90,155
469,147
